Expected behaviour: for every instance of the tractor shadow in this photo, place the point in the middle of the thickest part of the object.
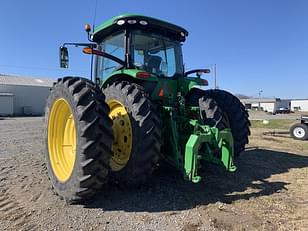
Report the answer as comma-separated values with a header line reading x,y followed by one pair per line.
x,y
169,192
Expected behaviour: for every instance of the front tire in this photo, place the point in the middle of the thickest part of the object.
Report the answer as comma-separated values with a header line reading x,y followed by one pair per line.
x,y
78,139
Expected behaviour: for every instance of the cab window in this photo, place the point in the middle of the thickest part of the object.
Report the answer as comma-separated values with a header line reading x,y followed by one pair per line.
x,y
156,54
113,45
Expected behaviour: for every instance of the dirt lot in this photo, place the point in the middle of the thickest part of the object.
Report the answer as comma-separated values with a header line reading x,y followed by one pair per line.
x,y
268,192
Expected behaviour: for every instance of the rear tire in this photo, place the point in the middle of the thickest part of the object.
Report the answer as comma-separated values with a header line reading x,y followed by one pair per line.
x,y
143,139
211,114
234,115
299,131
76,119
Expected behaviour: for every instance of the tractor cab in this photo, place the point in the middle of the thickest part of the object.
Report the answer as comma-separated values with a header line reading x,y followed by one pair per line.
x,y
150,51
147,51
141,49
143,43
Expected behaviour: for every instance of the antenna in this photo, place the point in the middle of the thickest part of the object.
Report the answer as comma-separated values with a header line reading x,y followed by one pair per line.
x,y
94,17
93,27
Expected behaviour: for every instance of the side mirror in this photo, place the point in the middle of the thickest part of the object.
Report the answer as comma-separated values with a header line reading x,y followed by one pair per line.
x,y
63,57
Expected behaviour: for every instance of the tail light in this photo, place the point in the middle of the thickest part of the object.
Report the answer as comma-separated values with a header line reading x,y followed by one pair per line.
x,y
143,75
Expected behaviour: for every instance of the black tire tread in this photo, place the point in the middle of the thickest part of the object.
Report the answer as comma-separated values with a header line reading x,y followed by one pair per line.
x,y
145,118
95,132
238,117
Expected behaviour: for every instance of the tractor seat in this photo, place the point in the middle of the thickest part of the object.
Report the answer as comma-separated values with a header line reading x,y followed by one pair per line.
x,y
153,64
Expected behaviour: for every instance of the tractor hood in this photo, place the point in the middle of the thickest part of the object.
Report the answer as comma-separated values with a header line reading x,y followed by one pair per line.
x,y
135,21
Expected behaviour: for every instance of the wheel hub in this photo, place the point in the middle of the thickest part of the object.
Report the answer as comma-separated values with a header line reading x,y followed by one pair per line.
x,y
62,139
299,132
122,132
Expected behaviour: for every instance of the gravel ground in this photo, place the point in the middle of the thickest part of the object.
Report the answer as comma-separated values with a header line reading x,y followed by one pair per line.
x,y
268,192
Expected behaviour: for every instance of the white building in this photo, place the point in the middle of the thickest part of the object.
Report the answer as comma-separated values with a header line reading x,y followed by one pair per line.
x,y
267,105
299,105
22,95
6,104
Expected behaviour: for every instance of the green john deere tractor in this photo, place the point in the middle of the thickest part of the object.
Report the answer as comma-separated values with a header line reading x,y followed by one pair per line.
x,y
142,107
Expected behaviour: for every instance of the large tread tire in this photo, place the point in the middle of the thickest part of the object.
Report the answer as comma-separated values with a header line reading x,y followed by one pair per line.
x,y
211,114
299,131
234,114
237,117
93,137
146,133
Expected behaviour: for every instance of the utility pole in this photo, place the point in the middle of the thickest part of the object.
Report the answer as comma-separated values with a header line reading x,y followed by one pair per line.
x,y
259,108
215,75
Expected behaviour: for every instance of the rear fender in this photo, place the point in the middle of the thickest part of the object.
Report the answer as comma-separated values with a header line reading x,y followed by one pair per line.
x,y
130,76
193,96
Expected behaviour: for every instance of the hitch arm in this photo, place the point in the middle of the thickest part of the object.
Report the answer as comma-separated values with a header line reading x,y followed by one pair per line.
x,y
214,140
192,159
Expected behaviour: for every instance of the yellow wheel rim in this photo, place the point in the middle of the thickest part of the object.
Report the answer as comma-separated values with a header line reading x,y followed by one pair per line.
x,y
61,139
122,132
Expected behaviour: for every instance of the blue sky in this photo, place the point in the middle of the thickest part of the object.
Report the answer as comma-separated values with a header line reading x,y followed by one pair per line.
x,y
256,44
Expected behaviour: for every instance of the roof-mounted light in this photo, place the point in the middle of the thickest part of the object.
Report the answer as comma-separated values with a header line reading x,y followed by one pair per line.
x,y
87,28
182,34
121,22
143,22
131,21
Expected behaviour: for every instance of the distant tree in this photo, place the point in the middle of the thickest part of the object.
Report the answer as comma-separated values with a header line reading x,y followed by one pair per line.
x,y
241,96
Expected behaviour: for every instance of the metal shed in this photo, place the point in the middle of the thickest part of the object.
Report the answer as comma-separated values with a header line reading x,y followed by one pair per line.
x,y
6,104
27,95
299,105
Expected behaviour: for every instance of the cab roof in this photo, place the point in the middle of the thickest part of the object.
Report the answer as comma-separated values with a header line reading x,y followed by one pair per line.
x,y
136,21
